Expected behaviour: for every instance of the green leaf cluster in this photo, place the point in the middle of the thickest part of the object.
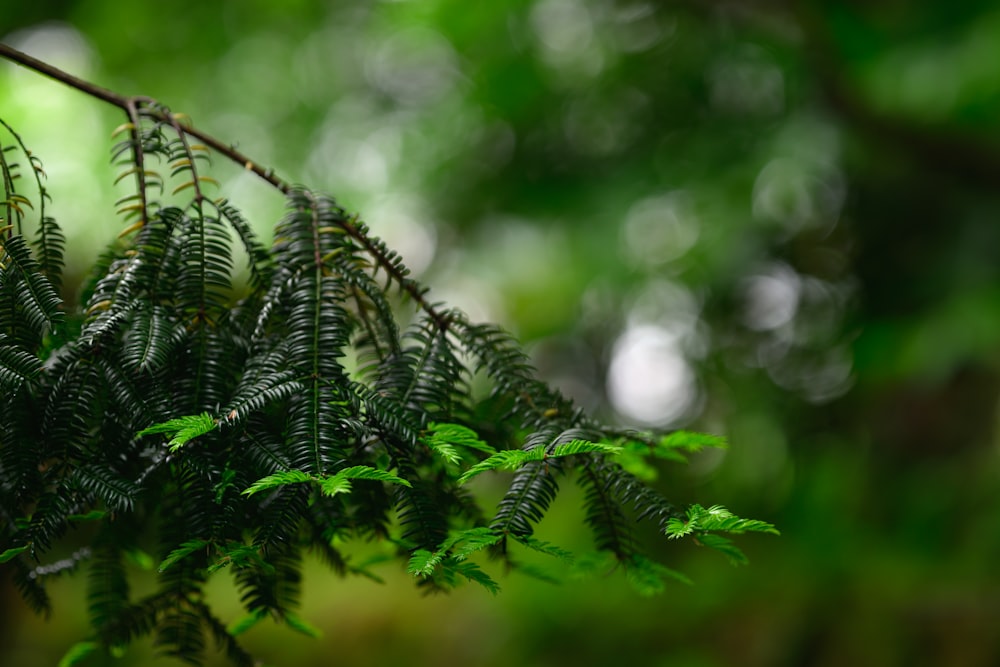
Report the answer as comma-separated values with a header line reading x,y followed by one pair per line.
x,y
639,451
448,562
329,485
204,424
182,429
703,523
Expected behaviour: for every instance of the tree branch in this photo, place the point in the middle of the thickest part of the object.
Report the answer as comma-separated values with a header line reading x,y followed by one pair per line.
x,y
130,104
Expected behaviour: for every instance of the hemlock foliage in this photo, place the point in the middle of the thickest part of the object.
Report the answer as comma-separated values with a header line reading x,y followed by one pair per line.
x,y
236,427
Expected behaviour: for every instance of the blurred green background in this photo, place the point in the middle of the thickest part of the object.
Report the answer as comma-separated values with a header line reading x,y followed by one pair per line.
x,y
777,221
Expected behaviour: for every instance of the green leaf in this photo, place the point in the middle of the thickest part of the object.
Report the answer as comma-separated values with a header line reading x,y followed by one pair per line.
x,y
446,451
242,555
364,567
423,562
16,365
691,441
182,429
140,558
182,552
340,483
540,573
300,625
278,479
506,459
633,460
543,547
592,563
467,542
38,302
584,447
77,653
671,447
474,573
440,436
725,546
512,459
452,553
648,577
677,528
238,627
334,485
11,553
717,518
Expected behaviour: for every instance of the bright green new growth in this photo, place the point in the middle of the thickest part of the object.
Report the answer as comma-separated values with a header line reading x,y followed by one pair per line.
x,y
704,523
714,518
452,441
194,431
449,561
182,430
512,459
330,486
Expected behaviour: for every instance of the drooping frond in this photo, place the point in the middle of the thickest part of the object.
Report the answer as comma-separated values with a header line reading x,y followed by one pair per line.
x,y
281,516
649,577
179,631
258,259
603,513
531,491
71,405
107,592
265,381
500,357
423,517
272,586
226,640
50,244
644,501
20,476
16,365
32,591
425,375
132,277
49,239
29,304
49,521
152,338
326,400
315,328
104,484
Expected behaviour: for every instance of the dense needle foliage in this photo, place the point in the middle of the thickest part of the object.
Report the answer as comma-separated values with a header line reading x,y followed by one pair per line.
x,y
232,425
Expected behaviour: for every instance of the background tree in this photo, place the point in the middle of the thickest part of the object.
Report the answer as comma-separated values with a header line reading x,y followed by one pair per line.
x,y
789,212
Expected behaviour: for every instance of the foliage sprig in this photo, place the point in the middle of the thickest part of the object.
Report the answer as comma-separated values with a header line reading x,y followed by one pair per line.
x,y
196,430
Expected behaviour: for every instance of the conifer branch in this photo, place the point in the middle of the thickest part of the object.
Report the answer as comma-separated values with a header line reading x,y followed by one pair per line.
x,y
235,431
130,105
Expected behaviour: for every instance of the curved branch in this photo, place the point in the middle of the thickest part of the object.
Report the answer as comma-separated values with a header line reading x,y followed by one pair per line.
x,y
128,104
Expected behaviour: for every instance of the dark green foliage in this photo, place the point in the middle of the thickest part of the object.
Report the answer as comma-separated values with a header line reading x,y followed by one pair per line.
x,y
238,432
